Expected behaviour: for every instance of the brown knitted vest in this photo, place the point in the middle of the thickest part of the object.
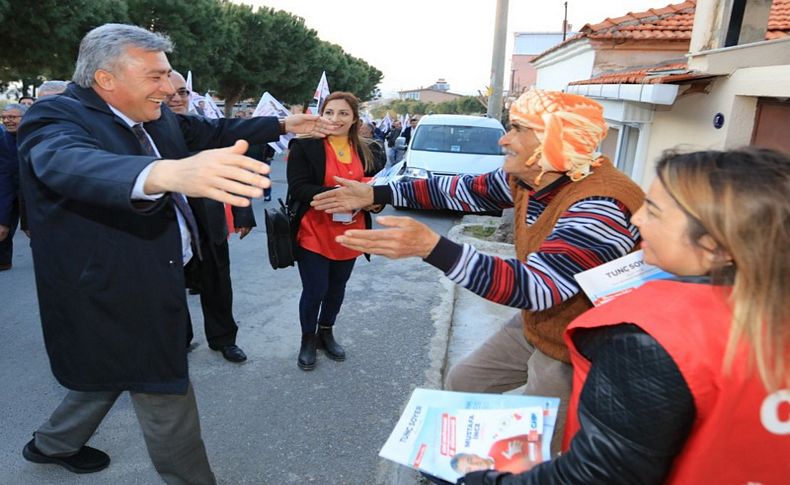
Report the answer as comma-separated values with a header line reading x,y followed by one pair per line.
x,y
544,329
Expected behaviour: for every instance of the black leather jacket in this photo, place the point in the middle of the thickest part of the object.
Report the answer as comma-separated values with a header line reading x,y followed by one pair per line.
x,y
635,414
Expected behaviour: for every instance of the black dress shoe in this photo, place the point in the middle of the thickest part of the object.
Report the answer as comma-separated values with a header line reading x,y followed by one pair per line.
x,y
87,460
233,353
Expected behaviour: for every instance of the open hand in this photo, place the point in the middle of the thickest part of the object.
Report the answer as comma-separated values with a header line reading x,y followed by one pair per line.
x,y
223,174
305,124
350,196
406,237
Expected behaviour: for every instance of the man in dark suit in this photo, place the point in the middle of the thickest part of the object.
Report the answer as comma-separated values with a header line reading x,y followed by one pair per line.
x,y
9,182
211,275
105,169
409,130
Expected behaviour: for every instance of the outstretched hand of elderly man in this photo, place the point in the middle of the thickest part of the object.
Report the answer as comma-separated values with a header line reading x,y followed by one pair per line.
x,y
350,195
404,237
223,174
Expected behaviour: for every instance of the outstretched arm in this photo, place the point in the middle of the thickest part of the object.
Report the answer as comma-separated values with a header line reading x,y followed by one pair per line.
x,y
404,237
223,174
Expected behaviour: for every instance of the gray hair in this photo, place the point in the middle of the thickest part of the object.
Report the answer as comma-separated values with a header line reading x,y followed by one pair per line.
x,y
53,86
19,107
104,46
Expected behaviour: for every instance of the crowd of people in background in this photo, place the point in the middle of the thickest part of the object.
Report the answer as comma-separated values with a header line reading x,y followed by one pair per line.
x,y
681,381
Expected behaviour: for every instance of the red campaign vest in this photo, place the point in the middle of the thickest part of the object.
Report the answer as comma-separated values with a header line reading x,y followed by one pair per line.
x,y
741,434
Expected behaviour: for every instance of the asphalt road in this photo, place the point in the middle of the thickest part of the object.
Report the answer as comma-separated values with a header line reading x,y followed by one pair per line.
x,y
264,421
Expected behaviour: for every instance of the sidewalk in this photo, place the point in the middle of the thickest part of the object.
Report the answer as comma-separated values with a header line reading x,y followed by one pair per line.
x,y
462,322
474,318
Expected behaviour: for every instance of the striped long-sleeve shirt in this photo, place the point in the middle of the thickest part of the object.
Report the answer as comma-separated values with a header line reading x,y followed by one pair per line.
x,y
591,232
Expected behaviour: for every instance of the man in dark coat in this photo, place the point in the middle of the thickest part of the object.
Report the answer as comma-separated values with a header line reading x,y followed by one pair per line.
x,y
211,275
105,169
9,182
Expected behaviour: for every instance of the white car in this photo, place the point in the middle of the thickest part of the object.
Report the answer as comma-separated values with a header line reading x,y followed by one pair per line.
x,y
452,145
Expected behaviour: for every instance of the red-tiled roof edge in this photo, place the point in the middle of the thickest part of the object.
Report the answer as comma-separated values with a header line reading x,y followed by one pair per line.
x,y
663,74
587,29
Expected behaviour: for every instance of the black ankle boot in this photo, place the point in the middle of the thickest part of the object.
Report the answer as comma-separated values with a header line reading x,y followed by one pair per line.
x,y
327,342
306,360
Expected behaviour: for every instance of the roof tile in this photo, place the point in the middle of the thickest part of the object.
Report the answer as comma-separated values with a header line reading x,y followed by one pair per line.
x,y
671,23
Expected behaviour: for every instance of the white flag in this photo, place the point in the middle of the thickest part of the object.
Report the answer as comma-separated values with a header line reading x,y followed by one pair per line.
x,y
212,110
386,123
189,80
197,104
321,92
269,106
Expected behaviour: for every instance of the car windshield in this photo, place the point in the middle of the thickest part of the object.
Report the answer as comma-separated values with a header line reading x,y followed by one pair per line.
x,y
458,139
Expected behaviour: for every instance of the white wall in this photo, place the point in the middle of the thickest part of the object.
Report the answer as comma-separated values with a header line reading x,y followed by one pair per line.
x,y
566,65
689,122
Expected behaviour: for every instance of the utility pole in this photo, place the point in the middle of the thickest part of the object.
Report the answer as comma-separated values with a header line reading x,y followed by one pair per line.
x,y
498,61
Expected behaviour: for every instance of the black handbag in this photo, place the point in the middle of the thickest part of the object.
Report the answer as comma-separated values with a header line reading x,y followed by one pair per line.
x,y
279,235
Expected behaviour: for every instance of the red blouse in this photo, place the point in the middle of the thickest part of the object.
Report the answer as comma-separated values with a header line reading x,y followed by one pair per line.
x,y
317,230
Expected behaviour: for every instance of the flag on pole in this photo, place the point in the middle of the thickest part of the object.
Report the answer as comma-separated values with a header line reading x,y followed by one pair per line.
x,y
269,106
211,109
189,80
321,92
404,120
386,123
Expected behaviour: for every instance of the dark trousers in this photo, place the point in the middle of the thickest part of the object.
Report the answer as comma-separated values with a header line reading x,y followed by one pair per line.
x,y
170,424
323,288
7,244
212,277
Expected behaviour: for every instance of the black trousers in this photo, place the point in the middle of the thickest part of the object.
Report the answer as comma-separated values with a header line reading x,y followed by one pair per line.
x,y
7,244
323,289
212,277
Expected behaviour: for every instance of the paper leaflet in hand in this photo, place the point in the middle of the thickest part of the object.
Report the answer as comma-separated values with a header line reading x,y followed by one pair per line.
x,y
618,277
447,434
269,106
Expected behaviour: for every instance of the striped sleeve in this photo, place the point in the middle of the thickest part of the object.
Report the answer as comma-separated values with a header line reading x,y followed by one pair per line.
x,y
591,232
467,193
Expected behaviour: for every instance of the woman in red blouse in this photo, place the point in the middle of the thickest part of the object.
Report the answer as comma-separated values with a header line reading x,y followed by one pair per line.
x,y
324,265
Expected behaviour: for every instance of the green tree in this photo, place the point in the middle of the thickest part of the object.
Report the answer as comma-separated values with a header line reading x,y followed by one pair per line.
x,y
199,30
264,57
41,38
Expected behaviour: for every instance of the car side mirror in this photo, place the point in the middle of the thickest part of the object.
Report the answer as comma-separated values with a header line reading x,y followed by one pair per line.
x,y
400,142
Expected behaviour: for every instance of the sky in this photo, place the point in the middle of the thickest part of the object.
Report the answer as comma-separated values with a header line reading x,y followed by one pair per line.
x,y
416,42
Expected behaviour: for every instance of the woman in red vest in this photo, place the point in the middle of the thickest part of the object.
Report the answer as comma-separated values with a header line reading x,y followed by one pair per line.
x,y
324,265
688,380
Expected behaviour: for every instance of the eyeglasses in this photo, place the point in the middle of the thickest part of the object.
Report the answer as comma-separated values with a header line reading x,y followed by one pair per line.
x,y
10,117
183,92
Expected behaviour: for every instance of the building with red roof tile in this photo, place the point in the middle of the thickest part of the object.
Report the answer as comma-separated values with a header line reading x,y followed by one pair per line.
x,y
700,74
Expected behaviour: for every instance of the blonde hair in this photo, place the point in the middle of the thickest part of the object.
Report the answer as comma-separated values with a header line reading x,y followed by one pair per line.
x,y
368,163
741,199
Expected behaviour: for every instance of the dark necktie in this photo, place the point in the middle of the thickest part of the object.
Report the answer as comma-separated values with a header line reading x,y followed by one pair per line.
x,y
179,200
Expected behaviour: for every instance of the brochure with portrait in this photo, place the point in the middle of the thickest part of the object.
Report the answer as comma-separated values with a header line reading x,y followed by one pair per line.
x,y
448,434
618,277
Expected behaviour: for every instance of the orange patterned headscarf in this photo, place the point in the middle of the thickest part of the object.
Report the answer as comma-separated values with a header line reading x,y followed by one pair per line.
x,y
568,126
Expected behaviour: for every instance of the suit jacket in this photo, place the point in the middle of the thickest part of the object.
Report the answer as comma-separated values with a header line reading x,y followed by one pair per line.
x,y
9,177
210,216
108,269
407,132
